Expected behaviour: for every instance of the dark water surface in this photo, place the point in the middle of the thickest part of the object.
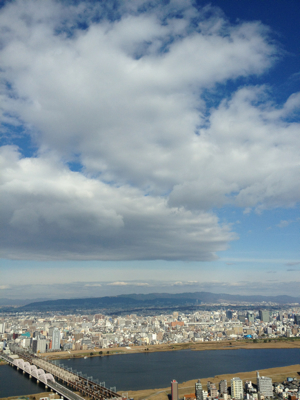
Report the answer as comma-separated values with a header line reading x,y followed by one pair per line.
x,y
155,370
14,383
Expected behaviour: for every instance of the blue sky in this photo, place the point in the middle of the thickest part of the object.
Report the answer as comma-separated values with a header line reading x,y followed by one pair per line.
x,y
149,146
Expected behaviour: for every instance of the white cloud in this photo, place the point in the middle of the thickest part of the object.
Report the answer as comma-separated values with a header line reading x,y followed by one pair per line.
x,y
128,284
93,285
188,283
125,98
49,212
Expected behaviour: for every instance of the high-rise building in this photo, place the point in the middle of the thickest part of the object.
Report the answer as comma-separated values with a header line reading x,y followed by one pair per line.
x,y
237,388
39,345
198,390
174,389
241,317
223,386
264,315
297,319
264,385
34,345
250,316
56,339
229,314
2,327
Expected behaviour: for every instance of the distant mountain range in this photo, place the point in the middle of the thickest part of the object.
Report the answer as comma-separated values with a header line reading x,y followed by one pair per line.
x,y
4,302
134,302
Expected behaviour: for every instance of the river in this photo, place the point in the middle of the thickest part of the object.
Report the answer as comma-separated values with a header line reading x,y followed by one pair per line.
x,y
155,370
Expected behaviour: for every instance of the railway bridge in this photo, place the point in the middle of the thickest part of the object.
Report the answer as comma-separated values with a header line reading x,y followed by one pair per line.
x,y
49,374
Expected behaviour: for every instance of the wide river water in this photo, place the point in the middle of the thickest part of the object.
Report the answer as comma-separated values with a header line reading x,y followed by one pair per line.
x,y
156,370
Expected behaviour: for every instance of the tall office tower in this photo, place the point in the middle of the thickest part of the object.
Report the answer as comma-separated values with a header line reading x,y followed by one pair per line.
x,y
241,317
2,327
264,385
56,339
229,314
264,315
198,390
34,345
237,388
297,319
174,389
223,386
250,316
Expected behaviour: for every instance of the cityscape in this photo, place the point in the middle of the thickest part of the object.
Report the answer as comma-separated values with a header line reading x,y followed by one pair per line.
x,y
33,337
48,333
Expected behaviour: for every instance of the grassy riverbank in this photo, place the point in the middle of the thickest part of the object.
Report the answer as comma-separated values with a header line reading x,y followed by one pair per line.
x,y
289,343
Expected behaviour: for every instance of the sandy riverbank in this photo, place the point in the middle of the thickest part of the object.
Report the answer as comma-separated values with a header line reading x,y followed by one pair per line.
x,y
224,345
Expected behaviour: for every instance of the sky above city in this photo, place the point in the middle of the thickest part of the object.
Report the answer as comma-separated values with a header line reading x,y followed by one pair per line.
x,y
149,146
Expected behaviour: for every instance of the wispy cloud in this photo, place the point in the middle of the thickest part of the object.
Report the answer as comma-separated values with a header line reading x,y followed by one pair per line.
x,y
187,283
284,223
292,263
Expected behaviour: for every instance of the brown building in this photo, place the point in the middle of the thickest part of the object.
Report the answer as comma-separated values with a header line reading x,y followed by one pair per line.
x,y
174,389
176,323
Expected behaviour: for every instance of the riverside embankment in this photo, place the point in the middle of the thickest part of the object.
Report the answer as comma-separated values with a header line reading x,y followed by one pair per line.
x,y
202,346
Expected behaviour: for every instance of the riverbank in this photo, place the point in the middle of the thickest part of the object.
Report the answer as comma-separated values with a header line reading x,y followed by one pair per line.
x,y
277,375
223,345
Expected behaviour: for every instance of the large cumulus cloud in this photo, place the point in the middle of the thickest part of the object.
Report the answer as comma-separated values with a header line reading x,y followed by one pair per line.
x,y
124,91
49,212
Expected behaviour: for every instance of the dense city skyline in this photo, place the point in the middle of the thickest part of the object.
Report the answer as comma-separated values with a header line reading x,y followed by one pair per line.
x,y
149,146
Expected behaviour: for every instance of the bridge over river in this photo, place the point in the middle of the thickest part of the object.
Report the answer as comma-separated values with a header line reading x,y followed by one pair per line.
x,y
49,374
